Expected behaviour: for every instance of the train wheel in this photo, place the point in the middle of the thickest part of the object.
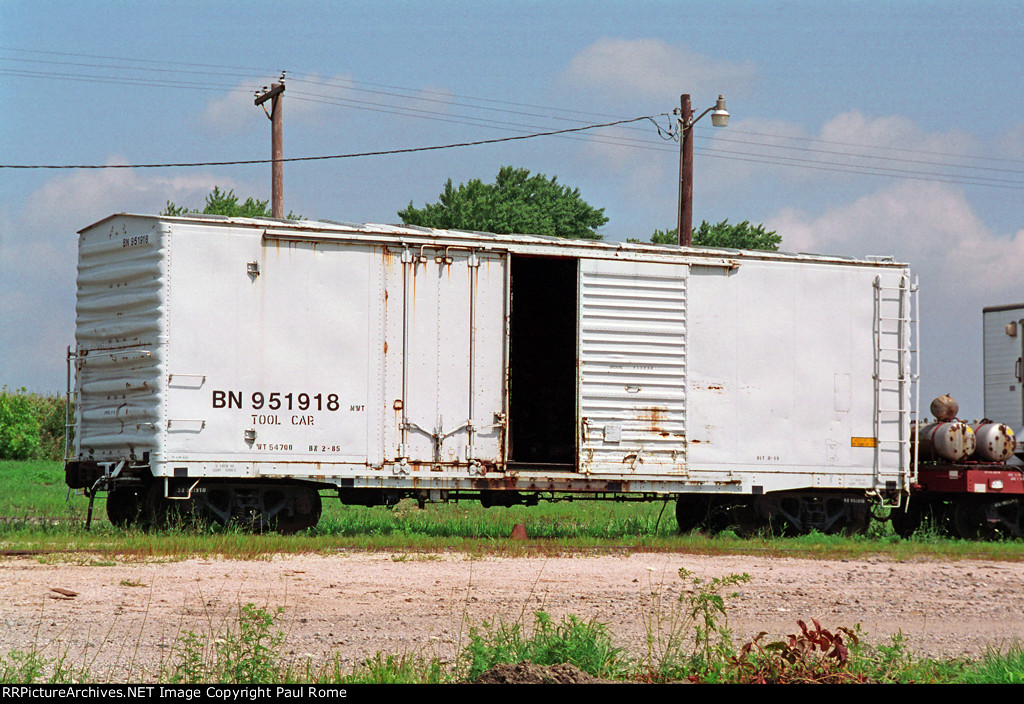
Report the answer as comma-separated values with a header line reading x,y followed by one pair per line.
x,y
989,520
124,507
156,509
970,521
285,508
907,519
857,523
691,510
303,511
798,513
737,515
1009,515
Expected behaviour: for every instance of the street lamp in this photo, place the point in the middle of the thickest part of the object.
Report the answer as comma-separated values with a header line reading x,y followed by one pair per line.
x,y
719,118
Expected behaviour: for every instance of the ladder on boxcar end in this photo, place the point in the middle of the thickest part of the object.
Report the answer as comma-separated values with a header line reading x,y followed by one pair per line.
x,y
70,401
896,333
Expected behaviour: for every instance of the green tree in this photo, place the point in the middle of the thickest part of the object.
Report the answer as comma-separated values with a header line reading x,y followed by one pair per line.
x,y
226,203
515,203
740,236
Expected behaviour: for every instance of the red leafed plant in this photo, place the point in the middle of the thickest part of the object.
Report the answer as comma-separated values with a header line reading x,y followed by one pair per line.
x,y
815,655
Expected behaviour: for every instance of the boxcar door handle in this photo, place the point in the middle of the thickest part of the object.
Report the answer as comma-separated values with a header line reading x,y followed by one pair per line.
x,y
1017,369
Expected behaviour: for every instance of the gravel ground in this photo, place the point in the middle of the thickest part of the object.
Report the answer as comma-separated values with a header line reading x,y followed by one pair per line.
x,y
122,620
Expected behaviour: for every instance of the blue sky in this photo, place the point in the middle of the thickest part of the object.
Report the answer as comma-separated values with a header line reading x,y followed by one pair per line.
x,y
857,128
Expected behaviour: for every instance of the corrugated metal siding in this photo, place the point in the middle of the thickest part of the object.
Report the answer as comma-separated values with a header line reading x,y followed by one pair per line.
x,y
118,333
632,354
1003,390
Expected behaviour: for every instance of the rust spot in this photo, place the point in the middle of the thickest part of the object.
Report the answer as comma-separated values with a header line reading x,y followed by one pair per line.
x,y
385,346
715,387
654,418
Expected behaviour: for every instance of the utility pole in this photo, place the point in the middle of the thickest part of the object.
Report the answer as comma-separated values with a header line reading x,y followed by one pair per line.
x,y
276,145
719,118
685,221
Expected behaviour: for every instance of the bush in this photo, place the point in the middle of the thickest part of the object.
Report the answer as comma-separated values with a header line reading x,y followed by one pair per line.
x,y
19,427
31,426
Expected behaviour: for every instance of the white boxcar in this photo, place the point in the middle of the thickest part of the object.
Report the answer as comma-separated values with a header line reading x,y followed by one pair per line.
x,y
242,365
1003,334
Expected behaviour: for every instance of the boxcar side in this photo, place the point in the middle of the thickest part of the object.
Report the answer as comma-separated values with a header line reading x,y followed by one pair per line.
x,y
237,368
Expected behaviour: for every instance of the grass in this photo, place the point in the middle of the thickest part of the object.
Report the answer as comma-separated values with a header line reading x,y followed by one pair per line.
x,y
586,644
42,517
35,490
996,667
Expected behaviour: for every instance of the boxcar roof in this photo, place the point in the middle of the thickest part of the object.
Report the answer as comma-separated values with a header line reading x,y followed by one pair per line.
x,y
415,235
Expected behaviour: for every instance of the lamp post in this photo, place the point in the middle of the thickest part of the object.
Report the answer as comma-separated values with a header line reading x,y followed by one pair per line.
x,y
719,118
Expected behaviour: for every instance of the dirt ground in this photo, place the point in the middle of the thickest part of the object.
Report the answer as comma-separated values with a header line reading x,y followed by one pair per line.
x,y
122,620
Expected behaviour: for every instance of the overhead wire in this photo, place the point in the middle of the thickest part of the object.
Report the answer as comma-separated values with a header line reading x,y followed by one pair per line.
x,y
113,80
753,157
879,147
324,156
776,155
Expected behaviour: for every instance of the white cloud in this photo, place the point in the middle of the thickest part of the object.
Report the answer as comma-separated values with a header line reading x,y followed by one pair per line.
x,y
651,68
845,149
931,225
900,133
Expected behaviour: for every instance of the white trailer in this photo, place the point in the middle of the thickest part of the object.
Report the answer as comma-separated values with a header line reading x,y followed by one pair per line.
x,y
241,366
1003,335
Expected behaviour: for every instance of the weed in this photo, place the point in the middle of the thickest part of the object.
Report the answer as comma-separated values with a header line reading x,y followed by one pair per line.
x,y
692,636
894,663
813,656
585,644
131,583
20,667
247,655
32,667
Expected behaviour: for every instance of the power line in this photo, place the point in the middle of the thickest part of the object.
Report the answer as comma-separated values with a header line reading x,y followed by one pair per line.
x,y
871,156
860,170
176,71
328,156
877,147
446,98
407,93
141,61
126,81
778,160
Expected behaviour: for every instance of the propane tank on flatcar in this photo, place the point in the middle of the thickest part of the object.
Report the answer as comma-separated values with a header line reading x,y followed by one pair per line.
x,y
944,408
953,441
995,441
